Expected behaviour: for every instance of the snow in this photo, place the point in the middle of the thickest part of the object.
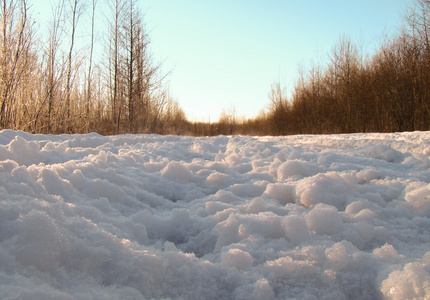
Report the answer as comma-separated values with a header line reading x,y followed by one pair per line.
x,y
228,217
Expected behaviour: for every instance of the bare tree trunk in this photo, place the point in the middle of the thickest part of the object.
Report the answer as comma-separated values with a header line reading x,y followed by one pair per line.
x,y
130,65
74,11
114,64
89,91
52,78
16,40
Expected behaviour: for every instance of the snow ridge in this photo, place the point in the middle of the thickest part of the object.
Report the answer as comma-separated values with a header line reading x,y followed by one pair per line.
x,y
228,217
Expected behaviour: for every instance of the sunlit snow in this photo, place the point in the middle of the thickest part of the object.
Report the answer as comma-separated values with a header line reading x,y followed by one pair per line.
x,y
229,217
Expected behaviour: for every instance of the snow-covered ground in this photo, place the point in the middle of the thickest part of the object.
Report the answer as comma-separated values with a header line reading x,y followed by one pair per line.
x,y
147,216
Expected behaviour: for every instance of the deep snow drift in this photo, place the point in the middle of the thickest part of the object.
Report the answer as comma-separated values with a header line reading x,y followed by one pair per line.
x,y
146,216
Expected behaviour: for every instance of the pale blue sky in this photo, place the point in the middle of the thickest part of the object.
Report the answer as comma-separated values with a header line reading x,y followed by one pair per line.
x,y
226,54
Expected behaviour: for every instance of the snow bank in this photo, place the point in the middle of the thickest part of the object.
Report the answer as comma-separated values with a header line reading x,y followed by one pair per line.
x,y
166,217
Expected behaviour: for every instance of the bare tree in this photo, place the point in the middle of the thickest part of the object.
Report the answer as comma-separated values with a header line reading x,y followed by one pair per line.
x,y
344,61
76,8
51,73
16,40
418,35
131,39
114,81
279,108
132,77
90,66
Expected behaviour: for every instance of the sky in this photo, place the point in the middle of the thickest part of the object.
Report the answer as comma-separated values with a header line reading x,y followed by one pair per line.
x,y
227,54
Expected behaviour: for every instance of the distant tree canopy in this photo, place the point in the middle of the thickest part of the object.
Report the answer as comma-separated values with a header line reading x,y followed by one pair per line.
x,y
387,92
55,85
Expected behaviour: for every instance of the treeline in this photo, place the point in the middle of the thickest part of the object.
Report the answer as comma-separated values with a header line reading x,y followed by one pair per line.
x,y
387,92
70,80
52,81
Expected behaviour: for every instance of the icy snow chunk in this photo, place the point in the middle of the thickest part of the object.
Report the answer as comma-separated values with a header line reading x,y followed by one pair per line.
x,y
388,254
213,207
203,147
367,175
359,233
243,168
324,220
355,207
338,257
263,290
104,188
174,228
226,197
259,164
327,188
233,159
54,184
365,214
237,258
256,205
100,159
24,152
27,183
296,229
7,166
40,242
382,152
228,231
246,190
296,168
418,195
412,282
78,180
238,227
287,267
219,179
5,153
176,171
284,193
152,166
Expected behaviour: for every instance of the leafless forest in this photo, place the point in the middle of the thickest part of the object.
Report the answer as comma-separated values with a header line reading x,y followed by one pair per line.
x,y
55,85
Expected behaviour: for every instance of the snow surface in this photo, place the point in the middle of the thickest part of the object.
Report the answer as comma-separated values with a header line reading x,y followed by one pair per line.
x,y
147,216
